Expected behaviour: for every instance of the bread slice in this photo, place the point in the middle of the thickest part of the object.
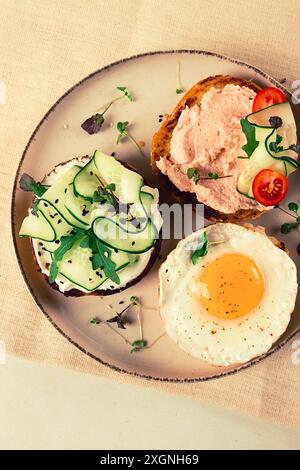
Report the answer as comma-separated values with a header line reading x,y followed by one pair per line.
x,y
162,138
100,292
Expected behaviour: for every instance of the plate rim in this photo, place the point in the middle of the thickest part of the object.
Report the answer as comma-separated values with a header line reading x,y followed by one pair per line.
x,y
113,367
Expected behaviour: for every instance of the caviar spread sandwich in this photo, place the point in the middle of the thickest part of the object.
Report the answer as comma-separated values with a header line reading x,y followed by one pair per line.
x,y
94,225
229,145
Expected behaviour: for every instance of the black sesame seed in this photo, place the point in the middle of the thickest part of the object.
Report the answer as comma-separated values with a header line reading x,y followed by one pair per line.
x,y
39,253
91,173
45,204
69,261
121,302
66,189
112,287
59,221
57,242
115,250
56,201
132,243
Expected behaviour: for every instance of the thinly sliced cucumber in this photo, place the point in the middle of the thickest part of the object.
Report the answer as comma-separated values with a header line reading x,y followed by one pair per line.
x,y
60,191
147,201
37,226
263,157
76,266
78,207
57,222
85,183
119,237
103,170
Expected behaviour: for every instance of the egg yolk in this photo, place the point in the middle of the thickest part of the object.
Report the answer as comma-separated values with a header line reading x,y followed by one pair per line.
x,y
231,286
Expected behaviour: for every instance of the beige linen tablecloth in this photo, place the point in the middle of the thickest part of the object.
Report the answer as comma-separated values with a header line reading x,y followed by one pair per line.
x,y
48,45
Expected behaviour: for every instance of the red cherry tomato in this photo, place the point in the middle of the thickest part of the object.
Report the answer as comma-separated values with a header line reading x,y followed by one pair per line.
x,y
269,187
268,97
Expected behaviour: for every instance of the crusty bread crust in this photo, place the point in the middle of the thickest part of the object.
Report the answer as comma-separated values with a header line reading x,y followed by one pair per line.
x,y
162,138
103,292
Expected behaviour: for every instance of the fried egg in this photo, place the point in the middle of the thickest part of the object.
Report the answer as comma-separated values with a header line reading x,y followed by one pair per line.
x,y
237,299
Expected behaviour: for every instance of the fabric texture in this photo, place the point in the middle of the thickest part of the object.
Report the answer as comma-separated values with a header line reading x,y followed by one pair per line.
x,y
47,46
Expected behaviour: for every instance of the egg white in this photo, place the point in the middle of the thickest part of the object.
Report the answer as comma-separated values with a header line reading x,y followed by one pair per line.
x,y
217,341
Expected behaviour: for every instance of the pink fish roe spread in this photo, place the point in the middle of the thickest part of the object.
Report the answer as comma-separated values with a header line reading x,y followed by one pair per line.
x,y
209,138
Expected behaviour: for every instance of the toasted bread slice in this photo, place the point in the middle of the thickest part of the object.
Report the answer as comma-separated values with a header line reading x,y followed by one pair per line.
x,y
100,292
162,138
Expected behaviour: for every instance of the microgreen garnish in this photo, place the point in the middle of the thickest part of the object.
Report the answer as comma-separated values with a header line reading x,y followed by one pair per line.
x,y
276,148
179,88
101,256
138,345
93,124
123,133
95,321
249,132
118,320
66,244
27,183
275,121
134,300
126,92
201,250
213,176
293,207
104,194
289,226
193,173
35,207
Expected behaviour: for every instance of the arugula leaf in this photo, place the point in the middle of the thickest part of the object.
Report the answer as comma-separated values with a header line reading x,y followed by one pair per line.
x,y
66,244
126,92
249,132
101,257
27,183
201,250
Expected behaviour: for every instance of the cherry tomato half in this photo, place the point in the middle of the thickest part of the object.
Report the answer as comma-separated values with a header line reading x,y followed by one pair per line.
x,y
268,97
269,187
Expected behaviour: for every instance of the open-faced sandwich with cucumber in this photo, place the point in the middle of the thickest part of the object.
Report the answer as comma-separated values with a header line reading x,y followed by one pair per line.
x,y
230,145
94,225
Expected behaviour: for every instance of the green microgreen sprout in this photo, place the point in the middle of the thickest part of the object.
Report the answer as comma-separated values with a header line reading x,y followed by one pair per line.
x,y
122,128
287,227
179,88
93,124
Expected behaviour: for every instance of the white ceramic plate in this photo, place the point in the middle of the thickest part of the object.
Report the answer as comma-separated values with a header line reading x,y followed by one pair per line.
x,y
152,80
